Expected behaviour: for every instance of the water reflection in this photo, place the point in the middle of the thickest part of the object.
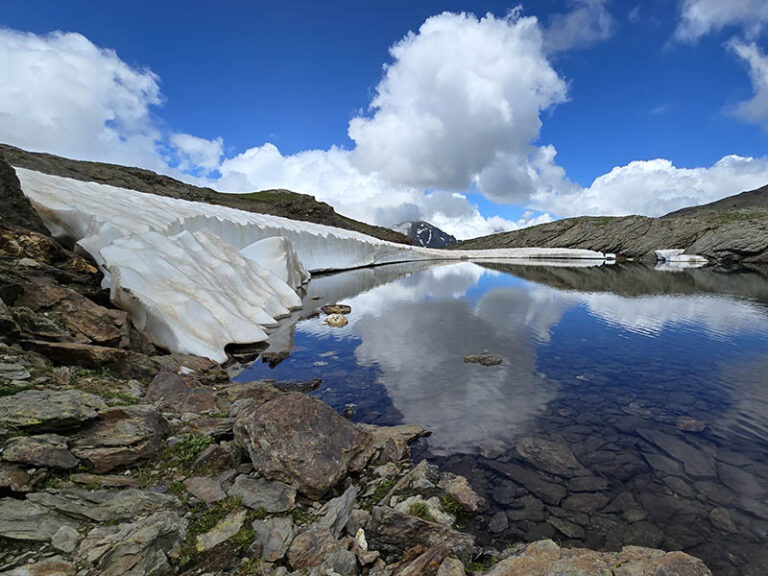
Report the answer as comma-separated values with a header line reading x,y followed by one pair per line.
x,y
655,380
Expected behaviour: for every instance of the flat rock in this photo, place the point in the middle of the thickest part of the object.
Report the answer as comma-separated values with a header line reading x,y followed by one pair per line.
x,y
458,488
54,566
208,490
695,462
272,496
548,456
722,520
24,520
172,392
274,534
484,359
337,511
587,484
47,450
336,309
549,492
12,371
223,531
567,528
49,410
120,437
76,353
301,441
586,502
311,547
66,539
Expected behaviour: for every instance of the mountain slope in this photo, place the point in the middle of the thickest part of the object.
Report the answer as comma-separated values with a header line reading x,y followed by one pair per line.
x,y
734,229
275,202
425,234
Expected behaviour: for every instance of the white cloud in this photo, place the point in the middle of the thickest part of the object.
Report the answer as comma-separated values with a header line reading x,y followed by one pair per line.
x,y
62,94
701,17
589,22
197,154
656,187
756,109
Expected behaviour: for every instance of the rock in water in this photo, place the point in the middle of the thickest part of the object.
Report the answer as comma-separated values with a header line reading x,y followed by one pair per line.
x,y
336,309
336,320
548,456
484,359
301,441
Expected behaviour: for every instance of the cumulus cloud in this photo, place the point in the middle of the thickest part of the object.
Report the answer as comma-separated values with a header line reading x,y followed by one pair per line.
x,y
656,187
589,22
63,94
756,109
701,17
197,154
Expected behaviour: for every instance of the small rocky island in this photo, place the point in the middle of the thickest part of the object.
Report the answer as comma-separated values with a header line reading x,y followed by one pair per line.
x,y
119,458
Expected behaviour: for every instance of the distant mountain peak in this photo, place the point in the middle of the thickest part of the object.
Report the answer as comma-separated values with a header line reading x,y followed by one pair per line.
x,y
425,234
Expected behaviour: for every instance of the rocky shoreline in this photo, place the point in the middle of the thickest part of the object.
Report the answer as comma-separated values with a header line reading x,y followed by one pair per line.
x,y
119,458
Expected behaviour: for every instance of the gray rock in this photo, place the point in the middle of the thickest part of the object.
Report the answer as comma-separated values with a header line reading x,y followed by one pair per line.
x,y
458,488
721,519
49,410
498,522
8,325
24,520
137,548
341,561
48,450
568,529
310,547
274,497
451,567
17,209
54,566
275,535
208,490
103,505
222,532
695,462
338,510
643,534
484,359
548,456
299,440
66,539
585,502
547,491
13,371
587,484
529,508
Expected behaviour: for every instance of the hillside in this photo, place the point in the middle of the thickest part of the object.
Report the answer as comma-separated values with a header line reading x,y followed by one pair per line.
x,y
734,229
425,234
275,202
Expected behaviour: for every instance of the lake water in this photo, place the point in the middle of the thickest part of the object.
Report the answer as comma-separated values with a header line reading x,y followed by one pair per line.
x,y
656,381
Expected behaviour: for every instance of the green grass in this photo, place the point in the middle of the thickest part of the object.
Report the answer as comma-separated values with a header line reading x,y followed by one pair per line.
x,y
190,447
420,510
203,520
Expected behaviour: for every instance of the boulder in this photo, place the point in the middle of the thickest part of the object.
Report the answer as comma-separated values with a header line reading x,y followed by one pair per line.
x,y
48,450
120,437
274,534
138,548
49,410
458,488
548,456
13,371
299,440
273,496
76,353
172,392
17,209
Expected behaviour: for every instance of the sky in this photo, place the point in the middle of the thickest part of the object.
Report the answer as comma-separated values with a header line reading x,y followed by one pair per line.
x,y
476,116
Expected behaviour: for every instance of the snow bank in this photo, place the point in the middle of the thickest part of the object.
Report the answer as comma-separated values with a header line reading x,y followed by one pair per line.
x,y
678,256
196,277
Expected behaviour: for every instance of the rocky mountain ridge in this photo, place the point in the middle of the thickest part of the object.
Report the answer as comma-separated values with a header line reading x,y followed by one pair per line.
x,y
425,234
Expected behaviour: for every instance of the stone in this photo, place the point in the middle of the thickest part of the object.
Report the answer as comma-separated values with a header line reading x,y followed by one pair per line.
x,y
17,479
208,490
24,520
451,567
273,496
568,529
47,450
172,392
587,484
695,462
104,481
393,441
433,509
15,372
337,511
458,488
310,547
139,548
530,509
336,309
274,534
688,424
102,505
54,566
548,456
8,325
120,437
336,320
177,362
643,534
223,531
507,492
49,410
76,353
484,359
588,503
301,441
498,522
66,539
549,492
426,564
394,532
721,519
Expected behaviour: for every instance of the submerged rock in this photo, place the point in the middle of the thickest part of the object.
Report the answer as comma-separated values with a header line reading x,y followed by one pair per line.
x,y
548,456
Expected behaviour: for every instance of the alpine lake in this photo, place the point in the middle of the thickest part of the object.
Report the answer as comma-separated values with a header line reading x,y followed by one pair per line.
x,y
630,406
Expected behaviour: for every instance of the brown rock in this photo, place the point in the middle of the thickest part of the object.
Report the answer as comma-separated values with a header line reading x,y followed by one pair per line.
x,y
75,353
48,450
310,547
208,490
336,309
48,410
174,392
458,488
427,564
548,456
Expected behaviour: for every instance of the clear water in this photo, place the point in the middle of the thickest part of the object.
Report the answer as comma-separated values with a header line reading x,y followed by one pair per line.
x,y
605,361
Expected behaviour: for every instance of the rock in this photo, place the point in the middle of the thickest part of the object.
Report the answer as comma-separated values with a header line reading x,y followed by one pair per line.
x,y
431,506
172,392
310,547
102,505
531,509
427,564
548,456
120,437
48,450
336,309
75,353
297,439
272,496
208,490
8,325
137,548
695,462
451,567
393,441
16,479
336,320
643,534
338,510
507,492
498,523
13,372
274,358
458,488
54,566
49,410
394,532
17,209
567,528
222,532
545,558
66,539
275,535
721,519
104,481
688,424
24,520
547,491
587,484
484,359
184,362
588,503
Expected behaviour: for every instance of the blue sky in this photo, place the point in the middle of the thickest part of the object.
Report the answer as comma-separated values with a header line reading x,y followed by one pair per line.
x,y
294,74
